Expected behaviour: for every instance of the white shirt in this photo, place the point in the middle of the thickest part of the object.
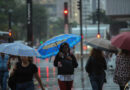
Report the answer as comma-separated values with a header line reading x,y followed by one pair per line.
x,y
66,77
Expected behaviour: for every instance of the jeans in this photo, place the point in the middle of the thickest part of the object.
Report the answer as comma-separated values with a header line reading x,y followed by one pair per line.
x,y
122,87
97,81
3,79
25,86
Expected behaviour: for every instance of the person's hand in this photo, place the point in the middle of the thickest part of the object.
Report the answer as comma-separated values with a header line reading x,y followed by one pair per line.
x,y
14,68
68,58
61,54
59,64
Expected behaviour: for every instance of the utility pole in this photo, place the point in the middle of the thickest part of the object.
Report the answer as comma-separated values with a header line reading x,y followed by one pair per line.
x,y
29,23
98,15
10,39
10,14
81,32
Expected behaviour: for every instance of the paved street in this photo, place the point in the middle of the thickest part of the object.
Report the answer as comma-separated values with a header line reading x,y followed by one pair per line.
x,y
81,80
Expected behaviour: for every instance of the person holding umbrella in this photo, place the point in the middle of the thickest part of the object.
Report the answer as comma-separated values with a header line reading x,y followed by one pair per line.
x,y
122,71
24,72
65,62
96,66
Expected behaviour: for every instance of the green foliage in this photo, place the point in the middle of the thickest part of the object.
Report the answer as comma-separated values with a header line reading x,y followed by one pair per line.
x,y
56,27
115,25
103,18
74,24
19,19
39,21
5,6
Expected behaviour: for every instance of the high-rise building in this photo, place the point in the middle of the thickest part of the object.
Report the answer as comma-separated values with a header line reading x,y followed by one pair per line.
x,y
86,11
118,9
74,11
89,7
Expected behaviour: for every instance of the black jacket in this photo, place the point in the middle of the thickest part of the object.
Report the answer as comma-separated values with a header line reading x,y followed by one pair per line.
x,y
95,66
61,71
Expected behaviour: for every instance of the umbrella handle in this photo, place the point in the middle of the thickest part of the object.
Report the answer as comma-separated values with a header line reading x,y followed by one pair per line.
x,y
50,59
56,45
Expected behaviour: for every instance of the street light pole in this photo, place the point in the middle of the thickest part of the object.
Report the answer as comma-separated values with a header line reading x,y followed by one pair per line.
x,y
98,16
10,14
10,39
29,23
81,34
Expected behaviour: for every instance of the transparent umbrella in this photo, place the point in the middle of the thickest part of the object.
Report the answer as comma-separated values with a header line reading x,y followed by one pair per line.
x,y
102,44
20,50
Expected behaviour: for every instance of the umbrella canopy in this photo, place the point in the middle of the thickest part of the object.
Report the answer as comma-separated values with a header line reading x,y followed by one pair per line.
x,y
51,47
19,49
102,44
122,41
2,46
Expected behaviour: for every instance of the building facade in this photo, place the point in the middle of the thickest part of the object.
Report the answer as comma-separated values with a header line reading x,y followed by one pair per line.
x,y
118,9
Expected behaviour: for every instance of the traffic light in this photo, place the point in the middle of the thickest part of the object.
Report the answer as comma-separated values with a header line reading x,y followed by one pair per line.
x,y
10,33
79,5
66,13
10,39
41,42
85,48
98,35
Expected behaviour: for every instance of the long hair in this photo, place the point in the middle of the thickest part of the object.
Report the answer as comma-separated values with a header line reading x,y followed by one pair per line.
x,y
97,54
125,52
62,46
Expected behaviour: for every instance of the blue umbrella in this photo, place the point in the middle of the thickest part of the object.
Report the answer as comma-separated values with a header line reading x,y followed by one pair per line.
x,y
51,47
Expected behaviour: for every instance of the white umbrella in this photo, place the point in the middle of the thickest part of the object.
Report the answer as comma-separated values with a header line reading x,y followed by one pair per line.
x,y
100,43
2,46
20,50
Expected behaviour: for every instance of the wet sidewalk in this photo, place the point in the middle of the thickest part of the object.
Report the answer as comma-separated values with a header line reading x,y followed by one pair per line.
x,y
48,75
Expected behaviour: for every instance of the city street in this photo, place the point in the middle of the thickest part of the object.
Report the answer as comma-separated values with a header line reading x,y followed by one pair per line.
x,y
81,81
38,30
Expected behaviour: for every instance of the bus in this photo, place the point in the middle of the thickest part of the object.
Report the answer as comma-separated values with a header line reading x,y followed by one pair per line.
x,y
5,37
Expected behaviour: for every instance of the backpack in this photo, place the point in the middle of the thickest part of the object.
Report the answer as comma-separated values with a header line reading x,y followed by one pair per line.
x,y
67,66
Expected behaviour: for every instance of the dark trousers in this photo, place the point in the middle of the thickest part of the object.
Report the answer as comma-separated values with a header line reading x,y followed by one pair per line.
x,y
97,81
65,85
122,87
25,86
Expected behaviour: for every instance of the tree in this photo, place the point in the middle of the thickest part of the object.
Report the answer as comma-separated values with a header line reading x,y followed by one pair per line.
x,y
114,24
5,6
103,18
39,21
56,27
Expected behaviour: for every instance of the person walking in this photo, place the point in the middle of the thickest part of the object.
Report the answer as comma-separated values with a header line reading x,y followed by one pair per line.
x,y
13,60
65,63
24,72
95,67
122,70
3,71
